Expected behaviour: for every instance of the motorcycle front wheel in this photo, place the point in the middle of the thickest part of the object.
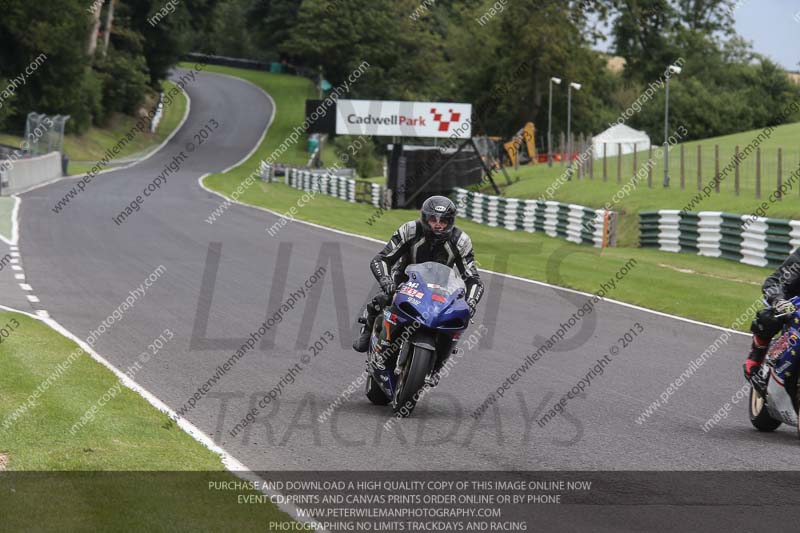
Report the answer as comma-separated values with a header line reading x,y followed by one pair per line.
x,y
412,380
759,414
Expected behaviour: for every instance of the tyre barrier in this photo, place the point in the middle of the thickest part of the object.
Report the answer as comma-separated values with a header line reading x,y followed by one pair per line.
x,y
267,172
574,223
746,239
341,187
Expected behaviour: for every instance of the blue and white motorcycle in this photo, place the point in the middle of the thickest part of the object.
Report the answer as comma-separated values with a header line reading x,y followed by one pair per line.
x,y
778,403
415,335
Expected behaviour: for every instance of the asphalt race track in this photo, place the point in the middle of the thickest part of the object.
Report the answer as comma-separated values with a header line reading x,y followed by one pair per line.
x,y
82,266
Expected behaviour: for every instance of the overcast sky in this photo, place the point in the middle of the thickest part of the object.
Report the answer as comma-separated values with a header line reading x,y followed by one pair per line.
x,y
773,26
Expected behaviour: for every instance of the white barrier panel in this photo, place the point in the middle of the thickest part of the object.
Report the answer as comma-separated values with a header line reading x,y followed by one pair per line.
x,y
23,174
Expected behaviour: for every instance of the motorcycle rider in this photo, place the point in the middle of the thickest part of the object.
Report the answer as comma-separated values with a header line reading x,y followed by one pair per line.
x,y
778,288
433,237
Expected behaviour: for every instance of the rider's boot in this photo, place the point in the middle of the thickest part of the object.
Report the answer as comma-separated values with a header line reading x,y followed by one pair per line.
x,y
368,316
753,362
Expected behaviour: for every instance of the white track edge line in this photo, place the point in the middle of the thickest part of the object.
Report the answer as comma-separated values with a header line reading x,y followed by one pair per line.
x,y
526,280
231,464
14,239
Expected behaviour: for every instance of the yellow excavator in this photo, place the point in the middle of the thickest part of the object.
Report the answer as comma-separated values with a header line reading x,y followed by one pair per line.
x,y
521,149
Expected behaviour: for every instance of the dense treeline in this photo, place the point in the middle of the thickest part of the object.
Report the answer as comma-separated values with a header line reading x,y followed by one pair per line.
x,y
499,55
95,57
496,54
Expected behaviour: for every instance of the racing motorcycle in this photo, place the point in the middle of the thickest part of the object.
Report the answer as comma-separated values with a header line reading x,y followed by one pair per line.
x,y
776,402
416,334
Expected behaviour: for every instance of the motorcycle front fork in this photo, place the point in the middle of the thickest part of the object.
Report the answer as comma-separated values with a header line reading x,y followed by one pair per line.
x,y
393,345
386,347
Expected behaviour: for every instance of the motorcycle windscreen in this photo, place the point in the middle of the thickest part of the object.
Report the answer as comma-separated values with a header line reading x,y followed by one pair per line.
x,y
439,279
442,289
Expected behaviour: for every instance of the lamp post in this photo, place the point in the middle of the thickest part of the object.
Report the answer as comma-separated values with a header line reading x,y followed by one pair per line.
x,y
577,87
557,81
673,69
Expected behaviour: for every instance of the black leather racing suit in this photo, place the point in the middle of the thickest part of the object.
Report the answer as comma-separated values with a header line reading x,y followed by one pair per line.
x,y
411,245
785,281
780,285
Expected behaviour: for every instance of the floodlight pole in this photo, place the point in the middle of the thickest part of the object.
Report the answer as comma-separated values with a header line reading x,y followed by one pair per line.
x,y
557,81
666,135
575,86
672,69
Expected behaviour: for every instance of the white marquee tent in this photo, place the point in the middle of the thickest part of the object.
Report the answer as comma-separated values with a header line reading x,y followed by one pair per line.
x,y
620,137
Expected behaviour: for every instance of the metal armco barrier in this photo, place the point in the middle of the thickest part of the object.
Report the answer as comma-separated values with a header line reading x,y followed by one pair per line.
x,y
744,238
325,183
574,223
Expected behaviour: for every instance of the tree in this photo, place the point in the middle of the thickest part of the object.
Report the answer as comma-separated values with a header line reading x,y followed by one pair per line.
x,y
108,24
6,105
724,86
94,30
504,68
642,32
61,82
229,18
271,22
165,39
403,57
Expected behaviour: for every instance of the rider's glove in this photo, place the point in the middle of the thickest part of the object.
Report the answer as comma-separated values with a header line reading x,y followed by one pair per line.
x,y
387,285
783,307
473,305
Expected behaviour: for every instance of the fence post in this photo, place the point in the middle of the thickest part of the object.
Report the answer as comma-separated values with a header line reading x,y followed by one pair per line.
x,y
778,193
758,172
591,157
605,161
585,163
580,151
683,175
619,162
736,169
699,167
716,167
561,149
650,167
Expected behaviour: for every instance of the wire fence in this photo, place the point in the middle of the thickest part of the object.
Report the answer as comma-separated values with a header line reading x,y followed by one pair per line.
x,y
755,171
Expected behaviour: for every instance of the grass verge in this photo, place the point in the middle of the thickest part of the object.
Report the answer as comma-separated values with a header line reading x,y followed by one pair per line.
x,y
696,287
126,435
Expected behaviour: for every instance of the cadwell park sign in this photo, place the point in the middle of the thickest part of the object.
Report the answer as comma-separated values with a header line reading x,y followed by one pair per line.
x,y
403,119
